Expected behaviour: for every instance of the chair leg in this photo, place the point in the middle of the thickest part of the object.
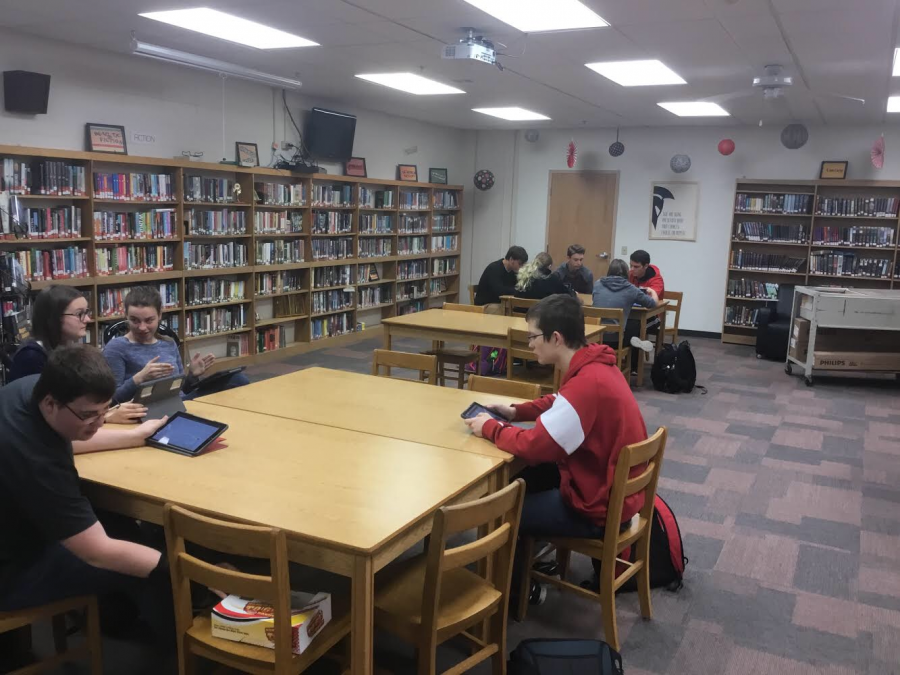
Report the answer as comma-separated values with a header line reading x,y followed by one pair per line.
x,y
498,636
562,558
426,660
525,577
608,606
643,576
60,643
94,638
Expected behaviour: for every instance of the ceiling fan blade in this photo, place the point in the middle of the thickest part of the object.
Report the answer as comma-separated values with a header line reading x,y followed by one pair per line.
x,y
819,94
722,98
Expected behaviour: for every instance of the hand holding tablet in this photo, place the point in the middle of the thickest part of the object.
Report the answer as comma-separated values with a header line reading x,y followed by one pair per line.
x,y
186,434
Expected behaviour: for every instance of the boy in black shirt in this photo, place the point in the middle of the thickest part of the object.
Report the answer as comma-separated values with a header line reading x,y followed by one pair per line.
x,y
499,278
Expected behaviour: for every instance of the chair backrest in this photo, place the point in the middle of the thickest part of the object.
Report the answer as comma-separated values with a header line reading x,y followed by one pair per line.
x,y
456,307
785,301
514,389
587,299
626,482
387,359
265,543
121,327
505,504
674,299
513,306
517,346
608,316
473,289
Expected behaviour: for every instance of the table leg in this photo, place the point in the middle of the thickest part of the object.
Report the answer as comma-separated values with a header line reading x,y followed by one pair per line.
x,y
362,617
640,355
661,334
387,337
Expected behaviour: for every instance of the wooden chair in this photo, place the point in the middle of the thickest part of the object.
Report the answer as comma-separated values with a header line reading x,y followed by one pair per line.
x,y
56,611
648,454
473,289
433,597
459,358
513,306
194,634
587,299
493,385
622,349
426,364
517,347
674,299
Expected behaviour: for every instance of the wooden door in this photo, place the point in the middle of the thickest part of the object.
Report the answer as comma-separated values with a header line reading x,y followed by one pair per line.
x,y
582,210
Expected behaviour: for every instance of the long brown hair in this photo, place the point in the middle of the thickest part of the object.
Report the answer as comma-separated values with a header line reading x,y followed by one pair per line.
x,y
47,314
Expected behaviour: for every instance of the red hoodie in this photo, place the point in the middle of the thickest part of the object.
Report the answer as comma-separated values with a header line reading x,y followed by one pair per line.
x,y
582,429
652,279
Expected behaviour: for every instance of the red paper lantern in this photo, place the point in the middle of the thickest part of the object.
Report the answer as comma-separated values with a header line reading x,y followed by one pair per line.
x,y
571,154
726,146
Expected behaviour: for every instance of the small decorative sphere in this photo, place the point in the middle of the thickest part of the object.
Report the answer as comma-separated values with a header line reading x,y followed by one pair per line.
x,y
680,163
484,179
726,146
617,149
794,136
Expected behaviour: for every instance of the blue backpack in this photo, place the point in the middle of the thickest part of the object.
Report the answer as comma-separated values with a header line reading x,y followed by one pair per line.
x,y
564,657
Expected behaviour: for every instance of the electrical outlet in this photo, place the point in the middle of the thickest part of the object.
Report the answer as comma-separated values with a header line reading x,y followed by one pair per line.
x,y
624,250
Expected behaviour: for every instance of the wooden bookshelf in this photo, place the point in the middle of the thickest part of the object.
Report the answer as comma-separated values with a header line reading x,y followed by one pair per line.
x,y
297,329
826,230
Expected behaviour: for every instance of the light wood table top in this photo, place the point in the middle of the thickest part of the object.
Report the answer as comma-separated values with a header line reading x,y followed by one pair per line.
x,y
400,409
320,484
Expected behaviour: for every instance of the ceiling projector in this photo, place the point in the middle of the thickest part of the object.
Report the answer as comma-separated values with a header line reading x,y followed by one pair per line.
x,y
472,47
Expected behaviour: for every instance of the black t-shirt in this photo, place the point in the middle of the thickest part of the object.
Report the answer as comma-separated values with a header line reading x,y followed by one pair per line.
x,y
495,281
40,497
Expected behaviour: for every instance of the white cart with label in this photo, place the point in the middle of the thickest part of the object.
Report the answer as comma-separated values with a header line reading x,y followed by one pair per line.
x,y
847,309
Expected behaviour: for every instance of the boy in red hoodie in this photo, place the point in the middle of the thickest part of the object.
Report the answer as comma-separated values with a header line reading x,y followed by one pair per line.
x,y
579,431
647,277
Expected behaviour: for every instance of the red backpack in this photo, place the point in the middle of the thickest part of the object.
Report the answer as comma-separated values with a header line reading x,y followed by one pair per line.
x,y
667,559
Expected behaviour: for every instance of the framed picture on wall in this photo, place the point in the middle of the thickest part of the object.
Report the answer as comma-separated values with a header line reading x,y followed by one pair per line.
x,y
355,166
673,210
408,172
437,176
246,154
833,170
105,138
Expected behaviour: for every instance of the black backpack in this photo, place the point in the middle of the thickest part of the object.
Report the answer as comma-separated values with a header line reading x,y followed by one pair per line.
x,y
674,369
564,657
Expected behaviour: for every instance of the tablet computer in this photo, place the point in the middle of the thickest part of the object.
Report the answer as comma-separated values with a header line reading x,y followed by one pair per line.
x,y
186,434
161,397
477,409
208,382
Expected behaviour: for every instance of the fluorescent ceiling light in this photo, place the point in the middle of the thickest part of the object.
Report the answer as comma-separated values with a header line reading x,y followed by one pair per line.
x,y
410,83
536,16
513,114
896,72
694,109
158,53
637,73
229,27
893,104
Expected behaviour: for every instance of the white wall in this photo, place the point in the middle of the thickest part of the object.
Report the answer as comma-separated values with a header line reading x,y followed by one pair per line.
x,y
696,268
182,108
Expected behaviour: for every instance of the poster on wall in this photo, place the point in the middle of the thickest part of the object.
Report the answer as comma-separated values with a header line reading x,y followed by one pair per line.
x,y
673,211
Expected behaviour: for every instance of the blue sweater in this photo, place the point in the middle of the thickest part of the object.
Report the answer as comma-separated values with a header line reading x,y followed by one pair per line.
x,y
618,293
127,358
29,359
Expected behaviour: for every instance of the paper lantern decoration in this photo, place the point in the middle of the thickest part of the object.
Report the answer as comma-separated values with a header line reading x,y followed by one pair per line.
x,y
484,179
726,146
617,149
571,154
794,136
680,163
532,135
878,153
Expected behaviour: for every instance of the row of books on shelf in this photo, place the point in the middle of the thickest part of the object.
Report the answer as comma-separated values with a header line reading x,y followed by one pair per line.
x,y
200,322
446,199
332,195
413,224
332,249
134,259
773,203
412,269
375,199
332,326
144,187
206,189
199,256
367,273
111,300
289,305
283,281
871,207
211,290
847,263
412,307
773,262
279,194
237,345
152,224
330,301
338,275
332,222
70,262
278,222
439,286
374,248
874,236
752,231
414,200
271,338
43,177
60,222
279,251
372,296
750,288
444,266
449,242
443,223
375,223
217,223
411,290
412,245
741,315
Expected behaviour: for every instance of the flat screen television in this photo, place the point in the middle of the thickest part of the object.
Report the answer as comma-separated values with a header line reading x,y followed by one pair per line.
x,y
25,92
329,134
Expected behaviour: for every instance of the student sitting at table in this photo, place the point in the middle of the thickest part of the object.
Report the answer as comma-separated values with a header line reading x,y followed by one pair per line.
x,y
51,544
60,316
648,278
536,279
616,292
499,278
573,272
579,431
142,355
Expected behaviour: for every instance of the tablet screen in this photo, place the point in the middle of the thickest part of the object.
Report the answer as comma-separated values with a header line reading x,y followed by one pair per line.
x,y
189,434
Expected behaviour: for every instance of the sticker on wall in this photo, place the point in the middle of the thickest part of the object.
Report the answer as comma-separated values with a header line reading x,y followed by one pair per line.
x,y
794,136
726,146
484,179
673,210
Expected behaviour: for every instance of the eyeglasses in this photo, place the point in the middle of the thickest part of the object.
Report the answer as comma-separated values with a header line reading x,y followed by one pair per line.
x,y
81,314
535,336
90,417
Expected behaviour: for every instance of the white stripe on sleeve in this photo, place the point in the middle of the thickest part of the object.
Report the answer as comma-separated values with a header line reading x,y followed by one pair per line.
x,y
563,425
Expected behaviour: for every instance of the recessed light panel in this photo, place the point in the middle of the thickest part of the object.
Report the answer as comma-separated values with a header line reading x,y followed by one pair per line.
x,y
637,73
893,104
232,28
694,109
513,114
410,83
536,16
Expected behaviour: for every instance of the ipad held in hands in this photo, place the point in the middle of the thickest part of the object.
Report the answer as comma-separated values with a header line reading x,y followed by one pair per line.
x,y
186,434
477,409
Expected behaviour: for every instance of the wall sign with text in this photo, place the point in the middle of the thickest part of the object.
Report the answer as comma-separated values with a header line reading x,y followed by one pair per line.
x,y
673,210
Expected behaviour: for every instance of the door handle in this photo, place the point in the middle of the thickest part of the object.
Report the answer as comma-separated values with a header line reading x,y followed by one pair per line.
x,y
603,256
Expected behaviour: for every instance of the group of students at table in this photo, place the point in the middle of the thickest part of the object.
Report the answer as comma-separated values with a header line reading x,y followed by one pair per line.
x,y
53,545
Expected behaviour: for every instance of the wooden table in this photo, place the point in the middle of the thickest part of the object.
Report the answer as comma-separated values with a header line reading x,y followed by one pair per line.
x,y
349,502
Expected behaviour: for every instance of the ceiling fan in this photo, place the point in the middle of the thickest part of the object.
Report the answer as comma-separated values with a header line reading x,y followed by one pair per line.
x,y
774,85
